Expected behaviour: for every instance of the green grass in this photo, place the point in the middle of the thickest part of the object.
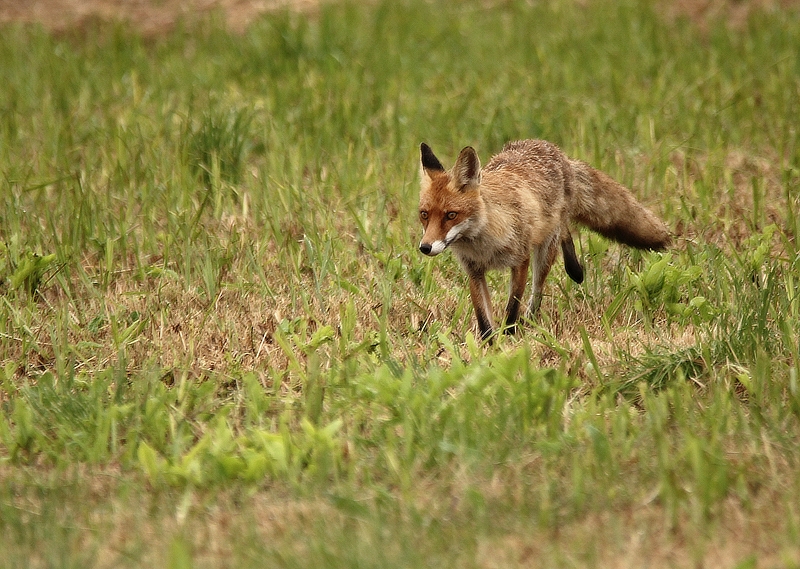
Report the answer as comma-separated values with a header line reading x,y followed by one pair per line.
x,y
220,348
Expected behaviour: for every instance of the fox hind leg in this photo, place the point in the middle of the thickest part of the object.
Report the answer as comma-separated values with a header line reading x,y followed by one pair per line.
x,y
544,256
519,279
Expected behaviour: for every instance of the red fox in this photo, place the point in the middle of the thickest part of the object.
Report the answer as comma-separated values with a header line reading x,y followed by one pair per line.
x,y
521,203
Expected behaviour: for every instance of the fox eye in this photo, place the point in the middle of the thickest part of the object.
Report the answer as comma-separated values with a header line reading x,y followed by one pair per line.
x,y
452,214
423,214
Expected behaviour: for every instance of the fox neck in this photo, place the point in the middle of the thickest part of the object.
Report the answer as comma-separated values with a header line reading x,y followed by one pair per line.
x,y
488,241
474,226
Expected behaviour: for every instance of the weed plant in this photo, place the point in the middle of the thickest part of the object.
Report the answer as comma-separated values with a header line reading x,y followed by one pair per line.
x,y
219,345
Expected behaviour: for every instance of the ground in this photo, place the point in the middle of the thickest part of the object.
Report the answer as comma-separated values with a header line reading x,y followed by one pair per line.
x,y
150,16
158,16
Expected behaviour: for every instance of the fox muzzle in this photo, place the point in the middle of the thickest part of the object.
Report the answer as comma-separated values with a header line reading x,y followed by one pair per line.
x,y
433,249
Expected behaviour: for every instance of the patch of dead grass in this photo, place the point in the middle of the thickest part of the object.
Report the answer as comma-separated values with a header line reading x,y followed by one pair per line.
x,y
744,176
154,17
150,17
642,537
138,524
735,13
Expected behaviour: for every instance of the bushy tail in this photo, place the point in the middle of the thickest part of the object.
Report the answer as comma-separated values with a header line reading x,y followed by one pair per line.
x,y
606,206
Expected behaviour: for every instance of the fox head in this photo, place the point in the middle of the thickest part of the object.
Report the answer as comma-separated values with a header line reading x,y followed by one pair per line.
x,y
449,199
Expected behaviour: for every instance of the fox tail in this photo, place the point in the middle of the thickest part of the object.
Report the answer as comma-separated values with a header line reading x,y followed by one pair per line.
x,y
609,208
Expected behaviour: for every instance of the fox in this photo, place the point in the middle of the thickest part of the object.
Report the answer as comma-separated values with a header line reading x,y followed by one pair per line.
x,y
518,210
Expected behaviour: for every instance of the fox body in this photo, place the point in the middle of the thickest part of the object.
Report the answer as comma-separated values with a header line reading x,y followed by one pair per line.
x,y
522,204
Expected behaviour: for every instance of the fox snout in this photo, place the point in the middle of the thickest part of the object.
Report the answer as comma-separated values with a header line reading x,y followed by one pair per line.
x,y
432,249
432,246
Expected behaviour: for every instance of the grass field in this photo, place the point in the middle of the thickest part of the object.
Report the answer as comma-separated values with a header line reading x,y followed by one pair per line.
x,y
220,346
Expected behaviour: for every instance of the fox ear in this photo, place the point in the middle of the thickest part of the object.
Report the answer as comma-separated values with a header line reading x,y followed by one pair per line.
x,y
467,170
429,160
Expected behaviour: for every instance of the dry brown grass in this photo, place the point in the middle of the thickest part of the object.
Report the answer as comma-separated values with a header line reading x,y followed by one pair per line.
x,y
149,16
704,13
158,16
215,526
642,537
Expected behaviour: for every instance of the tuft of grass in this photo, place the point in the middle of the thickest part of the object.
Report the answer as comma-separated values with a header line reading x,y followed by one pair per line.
x,y
216,148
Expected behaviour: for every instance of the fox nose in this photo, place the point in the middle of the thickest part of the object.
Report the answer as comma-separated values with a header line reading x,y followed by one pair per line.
x,y
425,248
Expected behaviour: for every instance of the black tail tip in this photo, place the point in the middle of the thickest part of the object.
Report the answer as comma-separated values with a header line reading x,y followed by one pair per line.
x,y
653,245
665,243
649,239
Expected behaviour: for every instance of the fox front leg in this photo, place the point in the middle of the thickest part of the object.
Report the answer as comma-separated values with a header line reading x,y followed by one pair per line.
x,y
482,303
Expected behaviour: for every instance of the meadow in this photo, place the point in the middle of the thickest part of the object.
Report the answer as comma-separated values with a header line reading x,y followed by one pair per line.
x,y
220,346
